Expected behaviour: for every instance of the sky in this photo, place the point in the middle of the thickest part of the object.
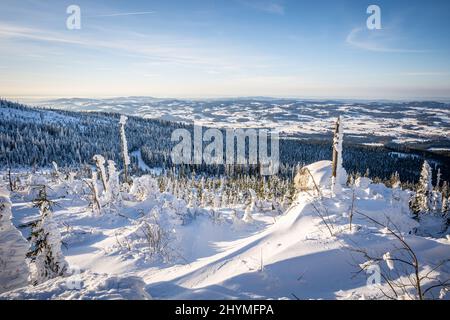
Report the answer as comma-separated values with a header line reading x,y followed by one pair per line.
x,y
225,48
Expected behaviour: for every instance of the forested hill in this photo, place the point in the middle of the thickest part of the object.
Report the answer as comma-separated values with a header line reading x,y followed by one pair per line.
x,y
36,137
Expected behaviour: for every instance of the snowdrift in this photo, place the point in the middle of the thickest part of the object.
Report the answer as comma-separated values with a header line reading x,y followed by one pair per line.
x,y
309,252
84,286
317,174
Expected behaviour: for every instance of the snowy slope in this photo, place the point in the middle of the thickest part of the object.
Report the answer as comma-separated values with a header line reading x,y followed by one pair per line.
x,y
306,253
295,257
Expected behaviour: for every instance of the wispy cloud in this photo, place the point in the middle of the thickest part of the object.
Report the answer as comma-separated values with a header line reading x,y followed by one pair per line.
x,y
152,49
268,6
121,14
9,31
375,40
425,74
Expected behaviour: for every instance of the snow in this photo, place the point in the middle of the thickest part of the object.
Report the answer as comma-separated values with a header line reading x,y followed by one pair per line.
x,y
383,122
123,120
141,164
13,269
439,149
321,175
390,263
123,137
85,286
154,245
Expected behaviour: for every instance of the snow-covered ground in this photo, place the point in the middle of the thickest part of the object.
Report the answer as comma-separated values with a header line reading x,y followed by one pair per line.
x,y
376,122
143,247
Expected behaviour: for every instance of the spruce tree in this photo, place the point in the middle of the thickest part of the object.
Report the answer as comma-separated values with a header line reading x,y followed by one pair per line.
x,y
113,182
46,256
422,200
445,203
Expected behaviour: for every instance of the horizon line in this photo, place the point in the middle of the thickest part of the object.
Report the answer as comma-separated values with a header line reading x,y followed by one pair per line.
x,y
222,97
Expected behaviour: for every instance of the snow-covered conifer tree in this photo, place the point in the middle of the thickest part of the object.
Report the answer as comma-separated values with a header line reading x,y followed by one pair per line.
x,y
422,201
437,195
217,201
14,270
445,206
395,180
396,189
248,214
96,207
113,181
251,208
46,256
55,170
124,144
100,164
438,179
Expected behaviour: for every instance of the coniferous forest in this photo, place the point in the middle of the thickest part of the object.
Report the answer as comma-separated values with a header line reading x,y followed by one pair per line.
x,y
32,137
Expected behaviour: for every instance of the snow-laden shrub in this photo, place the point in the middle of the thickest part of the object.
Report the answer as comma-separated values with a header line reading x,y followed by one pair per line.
x,y
182,214
363,183
144,187
13,249
398,214
251,208
151,238
155,237
174,210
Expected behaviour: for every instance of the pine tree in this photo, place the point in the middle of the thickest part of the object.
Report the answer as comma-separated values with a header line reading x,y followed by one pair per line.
x,y
437,195
396,189
14,270
56,170
422,200
395,180
46,256
438,179
445,204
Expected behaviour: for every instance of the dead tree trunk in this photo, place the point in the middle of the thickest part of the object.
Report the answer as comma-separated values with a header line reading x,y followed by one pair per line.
x,y
335,153
125,164
11,185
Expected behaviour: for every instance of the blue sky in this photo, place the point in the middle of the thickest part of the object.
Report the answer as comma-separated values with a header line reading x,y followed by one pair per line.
x,y
209,48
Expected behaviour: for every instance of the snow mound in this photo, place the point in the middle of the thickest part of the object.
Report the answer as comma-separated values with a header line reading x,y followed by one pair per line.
x,y
318,173
13,268
84,286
